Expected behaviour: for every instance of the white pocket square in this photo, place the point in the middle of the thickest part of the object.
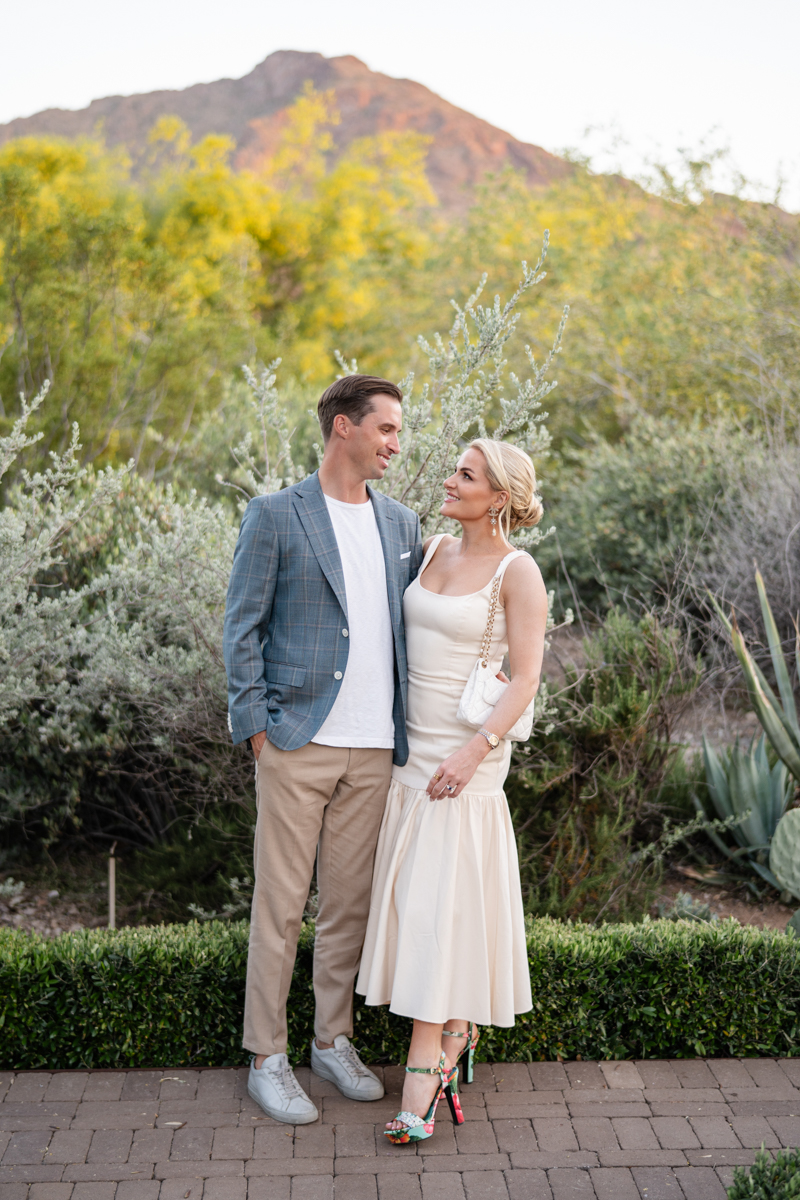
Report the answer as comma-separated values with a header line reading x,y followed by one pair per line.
x,y
406,555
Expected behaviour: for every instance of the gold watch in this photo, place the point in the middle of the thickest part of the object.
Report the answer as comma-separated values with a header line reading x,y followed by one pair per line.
x,y
492,738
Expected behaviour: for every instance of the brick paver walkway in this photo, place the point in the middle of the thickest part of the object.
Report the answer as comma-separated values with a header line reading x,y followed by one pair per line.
x,y
542,1131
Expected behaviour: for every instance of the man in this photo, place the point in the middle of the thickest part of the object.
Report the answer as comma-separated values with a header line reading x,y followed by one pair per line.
x,y
316,662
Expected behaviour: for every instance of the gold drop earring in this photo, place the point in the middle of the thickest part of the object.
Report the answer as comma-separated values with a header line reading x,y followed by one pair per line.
x,y
493,514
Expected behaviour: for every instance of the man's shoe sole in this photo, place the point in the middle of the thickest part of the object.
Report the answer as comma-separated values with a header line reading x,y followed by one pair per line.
x,y
279,1114
348,1092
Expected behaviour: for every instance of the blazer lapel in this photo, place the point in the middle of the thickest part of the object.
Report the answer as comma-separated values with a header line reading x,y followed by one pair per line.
x,y
387,528
309,503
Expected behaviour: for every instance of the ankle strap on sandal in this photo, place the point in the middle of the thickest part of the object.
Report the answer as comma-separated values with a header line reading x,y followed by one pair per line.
x,y
454,1033
428,1070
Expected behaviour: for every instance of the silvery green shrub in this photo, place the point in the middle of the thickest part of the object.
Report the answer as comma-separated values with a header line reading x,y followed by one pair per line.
x,y
113,700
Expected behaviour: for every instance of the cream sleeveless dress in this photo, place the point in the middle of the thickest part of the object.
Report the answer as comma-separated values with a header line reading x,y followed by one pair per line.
x,y
446,931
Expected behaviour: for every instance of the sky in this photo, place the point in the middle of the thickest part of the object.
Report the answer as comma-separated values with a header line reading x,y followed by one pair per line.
x,y
630,82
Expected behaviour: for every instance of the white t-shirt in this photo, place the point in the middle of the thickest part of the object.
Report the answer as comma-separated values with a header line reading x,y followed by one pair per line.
x,y
362,712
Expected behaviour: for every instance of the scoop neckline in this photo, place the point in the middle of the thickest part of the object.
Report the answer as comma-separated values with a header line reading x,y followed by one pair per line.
x,y
461,595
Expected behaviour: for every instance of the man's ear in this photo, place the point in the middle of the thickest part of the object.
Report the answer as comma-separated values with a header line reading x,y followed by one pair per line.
x,y
341,425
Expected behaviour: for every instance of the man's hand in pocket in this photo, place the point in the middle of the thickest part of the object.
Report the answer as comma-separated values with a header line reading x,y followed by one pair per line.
x,y
257,742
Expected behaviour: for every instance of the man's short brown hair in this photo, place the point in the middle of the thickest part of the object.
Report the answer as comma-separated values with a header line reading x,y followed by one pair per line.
x,y
353,397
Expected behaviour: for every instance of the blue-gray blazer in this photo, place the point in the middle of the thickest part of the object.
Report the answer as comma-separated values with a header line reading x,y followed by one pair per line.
x,y
286,614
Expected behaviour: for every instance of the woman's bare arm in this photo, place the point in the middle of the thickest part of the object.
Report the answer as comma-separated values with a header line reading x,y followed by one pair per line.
x,y
525,599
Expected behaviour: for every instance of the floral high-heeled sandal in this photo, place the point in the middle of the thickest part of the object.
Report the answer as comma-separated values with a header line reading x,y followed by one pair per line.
x,y
468,1053
416,1128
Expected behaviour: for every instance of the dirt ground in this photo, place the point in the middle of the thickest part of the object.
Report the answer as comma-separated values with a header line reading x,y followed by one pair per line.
x,y
45,911
724,901
703,716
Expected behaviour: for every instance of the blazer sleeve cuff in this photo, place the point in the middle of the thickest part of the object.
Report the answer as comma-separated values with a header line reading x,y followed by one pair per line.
x,y
244,723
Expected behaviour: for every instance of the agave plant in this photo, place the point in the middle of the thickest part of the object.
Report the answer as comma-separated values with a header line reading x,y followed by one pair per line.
x,y
784,860
685,908
780,723
778,717
741,783
784,855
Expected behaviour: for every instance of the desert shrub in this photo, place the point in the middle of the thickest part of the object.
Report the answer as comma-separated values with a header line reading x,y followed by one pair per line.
x,y
676,302
759,524
121,730
628,512
595,788
192,868
112,703
670,513
174,995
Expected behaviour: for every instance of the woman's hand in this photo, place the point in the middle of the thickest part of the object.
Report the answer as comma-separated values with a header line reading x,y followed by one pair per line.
x,y
456,771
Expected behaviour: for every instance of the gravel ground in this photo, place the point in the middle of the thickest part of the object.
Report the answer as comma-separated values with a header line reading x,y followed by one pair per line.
x,y
37,910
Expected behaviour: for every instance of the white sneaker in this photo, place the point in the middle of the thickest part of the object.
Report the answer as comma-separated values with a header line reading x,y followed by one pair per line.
x,y
275,1088
342,1066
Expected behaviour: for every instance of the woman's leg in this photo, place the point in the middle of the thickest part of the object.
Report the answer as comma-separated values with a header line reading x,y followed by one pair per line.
x,y
454,1046
424,1051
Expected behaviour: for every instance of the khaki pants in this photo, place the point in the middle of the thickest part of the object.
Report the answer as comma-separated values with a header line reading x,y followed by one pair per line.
x,y
324,802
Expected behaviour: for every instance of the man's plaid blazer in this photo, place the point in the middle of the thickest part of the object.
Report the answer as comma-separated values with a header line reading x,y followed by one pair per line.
x,y
286,614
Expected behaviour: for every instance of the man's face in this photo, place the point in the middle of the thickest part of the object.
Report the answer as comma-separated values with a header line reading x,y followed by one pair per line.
x,y
371,444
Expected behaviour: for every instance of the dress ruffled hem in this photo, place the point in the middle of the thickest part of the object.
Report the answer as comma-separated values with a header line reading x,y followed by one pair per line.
x,y
446,931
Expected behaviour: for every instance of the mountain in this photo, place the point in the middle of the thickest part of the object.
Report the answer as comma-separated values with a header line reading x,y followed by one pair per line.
x,y
463,147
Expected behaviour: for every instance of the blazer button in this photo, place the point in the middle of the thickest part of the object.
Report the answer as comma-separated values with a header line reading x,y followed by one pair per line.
x,y
337,674
345,633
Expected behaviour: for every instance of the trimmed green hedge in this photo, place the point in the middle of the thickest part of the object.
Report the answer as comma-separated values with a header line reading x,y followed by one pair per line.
x,y
173,996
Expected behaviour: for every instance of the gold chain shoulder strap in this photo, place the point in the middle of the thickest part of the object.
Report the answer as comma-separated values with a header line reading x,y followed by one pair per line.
x,y
486,644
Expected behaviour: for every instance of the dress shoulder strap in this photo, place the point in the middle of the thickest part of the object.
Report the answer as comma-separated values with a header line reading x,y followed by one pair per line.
x,y
509,558
429,553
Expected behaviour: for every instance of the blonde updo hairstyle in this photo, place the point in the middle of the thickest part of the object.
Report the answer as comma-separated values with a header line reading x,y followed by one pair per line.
x,y
511,470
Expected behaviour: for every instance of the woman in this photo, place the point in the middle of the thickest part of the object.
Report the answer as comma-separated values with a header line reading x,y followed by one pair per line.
x,y
445,942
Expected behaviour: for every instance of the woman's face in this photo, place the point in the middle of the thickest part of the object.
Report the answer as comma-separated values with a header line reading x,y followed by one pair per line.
x,y
468,493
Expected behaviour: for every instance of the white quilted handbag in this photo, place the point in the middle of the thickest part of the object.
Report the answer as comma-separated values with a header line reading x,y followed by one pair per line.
x,y
483,689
